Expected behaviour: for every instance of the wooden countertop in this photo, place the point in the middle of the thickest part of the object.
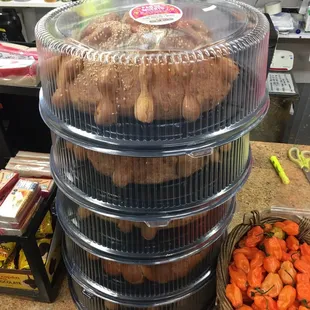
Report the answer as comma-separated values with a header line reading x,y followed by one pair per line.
x,y
263,190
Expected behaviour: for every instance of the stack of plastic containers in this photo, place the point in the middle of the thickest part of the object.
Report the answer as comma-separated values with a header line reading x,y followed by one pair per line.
x,y
150,105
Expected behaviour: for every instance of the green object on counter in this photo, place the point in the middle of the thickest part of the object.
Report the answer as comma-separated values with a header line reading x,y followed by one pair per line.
x,y
276,164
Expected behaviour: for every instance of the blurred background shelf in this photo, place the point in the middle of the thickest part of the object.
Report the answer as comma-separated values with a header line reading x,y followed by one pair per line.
x,y
20,90
293,35
30,4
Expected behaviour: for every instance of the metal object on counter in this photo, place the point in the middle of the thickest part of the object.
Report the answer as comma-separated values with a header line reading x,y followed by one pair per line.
x,y
302,159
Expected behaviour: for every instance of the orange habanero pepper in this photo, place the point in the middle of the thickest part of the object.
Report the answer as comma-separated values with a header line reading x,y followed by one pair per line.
x,y
286,257
242,262
303,308
305,258
252,292
245,307
295,255
254,307
248,252
258,260
241,243
256,276
272,285
254,237
267,227
279,224
303,292
283,245
305,249
292,243
271,264
302,266
273,247
233,293
238,277
265,303
302,278
286,297
291,228
287,273
295,305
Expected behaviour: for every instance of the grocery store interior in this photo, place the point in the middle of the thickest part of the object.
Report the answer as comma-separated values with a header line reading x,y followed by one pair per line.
x,y
155,154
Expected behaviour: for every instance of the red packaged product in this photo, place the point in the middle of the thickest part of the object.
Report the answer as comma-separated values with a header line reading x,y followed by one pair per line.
x,y
19,201
46,185
7,181
19,72
18,229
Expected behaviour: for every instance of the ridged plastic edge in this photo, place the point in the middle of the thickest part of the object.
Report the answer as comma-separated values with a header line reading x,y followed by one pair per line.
x,y
76,274
219,49
91,293
109,210
104,252
148,149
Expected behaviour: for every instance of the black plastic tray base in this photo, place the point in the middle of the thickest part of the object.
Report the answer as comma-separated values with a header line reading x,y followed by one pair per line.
x,y
165,240
99,305
230,111
96,275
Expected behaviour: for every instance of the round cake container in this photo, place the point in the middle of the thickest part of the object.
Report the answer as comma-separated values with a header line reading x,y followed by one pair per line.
x,y
143,241
181,147
201,298
149,188
111,81
148,284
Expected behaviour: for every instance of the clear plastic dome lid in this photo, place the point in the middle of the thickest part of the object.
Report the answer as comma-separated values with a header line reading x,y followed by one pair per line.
x,y
130,75
128,26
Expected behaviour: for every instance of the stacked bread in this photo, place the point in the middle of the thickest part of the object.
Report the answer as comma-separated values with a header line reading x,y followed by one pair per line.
x,y
150,105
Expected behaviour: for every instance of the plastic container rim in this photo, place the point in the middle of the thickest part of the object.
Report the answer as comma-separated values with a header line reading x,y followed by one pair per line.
x,y
77,275
147,262
90,246
91,293
80,198
223,47
185,146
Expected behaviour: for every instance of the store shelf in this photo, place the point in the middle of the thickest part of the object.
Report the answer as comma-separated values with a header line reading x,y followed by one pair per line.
x,y
293,35
19,90
30,4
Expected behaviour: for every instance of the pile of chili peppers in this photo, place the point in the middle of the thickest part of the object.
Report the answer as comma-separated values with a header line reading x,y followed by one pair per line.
x,y
270,270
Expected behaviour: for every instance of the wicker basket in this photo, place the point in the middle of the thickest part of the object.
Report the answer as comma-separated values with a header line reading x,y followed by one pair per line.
x,y
227,248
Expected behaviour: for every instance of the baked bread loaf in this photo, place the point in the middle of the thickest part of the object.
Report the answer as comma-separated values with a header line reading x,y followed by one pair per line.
x,y
149,233
155,88
164,273
144,170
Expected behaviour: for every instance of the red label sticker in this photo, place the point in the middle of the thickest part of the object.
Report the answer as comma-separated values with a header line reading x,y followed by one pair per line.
x,y
156,14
